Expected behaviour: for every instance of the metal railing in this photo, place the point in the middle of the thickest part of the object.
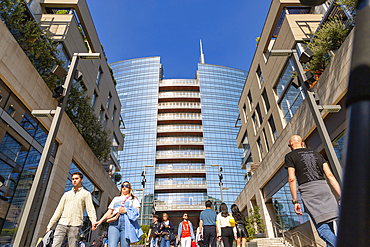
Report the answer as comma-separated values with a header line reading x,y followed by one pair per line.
x,y
181,168
176,207
192,185
295,238
180,154
179,82
179,140
179,128
193,105
178,94
170,116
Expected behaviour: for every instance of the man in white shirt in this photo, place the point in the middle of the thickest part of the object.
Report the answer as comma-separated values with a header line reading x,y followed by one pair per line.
x,y
70,211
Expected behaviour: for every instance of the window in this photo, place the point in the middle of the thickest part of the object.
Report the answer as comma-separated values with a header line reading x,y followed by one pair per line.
x,y
260,147
250,100
105,122
93,101
245,112
11,111
273,128
63,55
101,113
339,145
267,143
256,126
108,102
259,76
290,98
114,113
266,100
259,113
98,77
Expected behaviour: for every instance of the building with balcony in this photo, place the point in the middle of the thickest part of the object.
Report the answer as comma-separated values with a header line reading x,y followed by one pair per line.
x,y
272,109
178,128
23,136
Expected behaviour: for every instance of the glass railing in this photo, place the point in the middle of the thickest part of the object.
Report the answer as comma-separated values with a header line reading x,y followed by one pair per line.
x,y
179,82
179,153
179,94
169,116
180,166
180,169
196,105
176,140
179,207
180,184
179,128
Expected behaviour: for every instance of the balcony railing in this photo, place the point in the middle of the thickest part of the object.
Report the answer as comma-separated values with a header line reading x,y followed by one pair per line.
x,y
180,116
179,140
179,95
179,82
181,105
180,128
180,169
180,154
181,186
179,207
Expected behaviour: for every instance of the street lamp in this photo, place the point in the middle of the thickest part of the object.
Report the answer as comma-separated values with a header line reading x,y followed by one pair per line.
x,y
32,198
220,177
143,181
314,108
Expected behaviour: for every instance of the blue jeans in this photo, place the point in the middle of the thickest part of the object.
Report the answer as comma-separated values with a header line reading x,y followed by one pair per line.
x,y
164,242
154,242
116,233
326,232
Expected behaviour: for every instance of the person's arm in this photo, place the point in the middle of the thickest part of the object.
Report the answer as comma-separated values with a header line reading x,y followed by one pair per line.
x,y
179,231
293,190
334,183
218,225
200,229
58,212
171,226
90,209
150,231
105,216
192,231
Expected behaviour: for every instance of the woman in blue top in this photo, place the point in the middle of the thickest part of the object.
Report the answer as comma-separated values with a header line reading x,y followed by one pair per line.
x,y
125,229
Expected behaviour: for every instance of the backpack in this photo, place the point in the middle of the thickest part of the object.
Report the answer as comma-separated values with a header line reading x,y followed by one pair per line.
x,y
47,240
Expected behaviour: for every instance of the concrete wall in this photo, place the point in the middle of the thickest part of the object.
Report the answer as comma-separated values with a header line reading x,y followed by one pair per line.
x,y
19,74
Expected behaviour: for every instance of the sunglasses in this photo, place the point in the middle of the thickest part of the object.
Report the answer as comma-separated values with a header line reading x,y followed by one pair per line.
x,y
125,185
185,215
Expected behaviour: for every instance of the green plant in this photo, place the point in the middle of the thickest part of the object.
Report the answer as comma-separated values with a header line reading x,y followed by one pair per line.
x,y
246,175
145,229
117,178
110,69
254,223
62,12
327,39
348,5
257,40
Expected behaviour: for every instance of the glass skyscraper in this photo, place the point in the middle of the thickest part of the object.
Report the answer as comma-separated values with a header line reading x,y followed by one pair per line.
x,y
180,127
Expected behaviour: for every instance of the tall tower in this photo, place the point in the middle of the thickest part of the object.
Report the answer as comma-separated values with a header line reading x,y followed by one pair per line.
x,y
181,127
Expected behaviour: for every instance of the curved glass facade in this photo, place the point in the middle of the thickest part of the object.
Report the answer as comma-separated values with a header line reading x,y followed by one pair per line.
x,y
220,89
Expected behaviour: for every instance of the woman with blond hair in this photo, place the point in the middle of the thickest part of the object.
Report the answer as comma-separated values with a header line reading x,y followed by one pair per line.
x,y
166,228
122,216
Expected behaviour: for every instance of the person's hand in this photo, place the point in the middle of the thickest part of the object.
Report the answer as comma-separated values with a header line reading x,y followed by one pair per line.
x,y
178,239
236,238
297,209
48,230
122,210
200,236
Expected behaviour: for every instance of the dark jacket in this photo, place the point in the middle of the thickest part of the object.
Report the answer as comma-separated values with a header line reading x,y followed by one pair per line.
x,y
165,229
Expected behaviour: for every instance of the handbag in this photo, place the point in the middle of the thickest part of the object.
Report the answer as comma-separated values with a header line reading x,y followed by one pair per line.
x,y
115,216
231,221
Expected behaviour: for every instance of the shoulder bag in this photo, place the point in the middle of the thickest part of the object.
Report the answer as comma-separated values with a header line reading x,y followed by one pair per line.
x,y
115,216
231,221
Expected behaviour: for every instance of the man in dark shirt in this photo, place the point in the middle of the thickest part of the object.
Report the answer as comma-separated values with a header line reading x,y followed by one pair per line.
x,y
208,219
154,232
309,167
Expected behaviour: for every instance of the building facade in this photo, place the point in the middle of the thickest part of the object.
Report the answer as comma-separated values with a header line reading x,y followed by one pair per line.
x,y
272,109
176,129
23,136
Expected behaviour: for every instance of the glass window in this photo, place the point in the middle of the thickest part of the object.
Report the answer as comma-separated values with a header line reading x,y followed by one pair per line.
x,y
98,77
259,143
114,113
259,113
259,76
267,143
101,114
11,111
266,100
250,100
63,55
93,101
339,145
273,128
108,101
256,126
105,122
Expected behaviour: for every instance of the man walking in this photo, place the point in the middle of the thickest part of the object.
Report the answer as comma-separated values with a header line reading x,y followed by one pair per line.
x,y
309,167
185,232
154,232
70,211
207,221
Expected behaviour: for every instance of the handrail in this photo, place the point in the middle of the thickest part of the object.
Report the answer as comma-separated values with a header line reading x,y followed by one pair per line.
x,y
297,234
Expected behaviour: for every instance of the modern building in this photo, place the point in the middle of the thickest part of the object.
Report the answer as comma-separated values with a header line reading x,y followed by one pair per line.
x,y
23,136
177,129
272,109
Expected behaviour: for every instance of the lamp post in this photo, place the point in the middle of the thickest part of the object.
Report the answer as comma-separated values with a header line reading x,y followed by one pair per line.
x,y
143,189
32,198
315,110
220,177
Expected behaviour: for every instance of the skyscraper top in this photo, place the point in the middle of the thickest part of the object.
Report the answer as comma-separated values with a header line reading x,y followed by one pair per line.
x,y
201,53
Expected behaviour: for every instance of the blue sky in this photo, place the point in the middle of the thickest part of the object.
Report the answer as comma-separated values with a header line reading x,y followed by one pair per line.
x,y
171,29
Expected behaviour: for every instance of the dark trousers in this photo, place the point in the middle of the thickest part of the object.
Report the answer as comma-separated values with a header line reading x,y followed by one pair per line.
x,y
209,236
227,236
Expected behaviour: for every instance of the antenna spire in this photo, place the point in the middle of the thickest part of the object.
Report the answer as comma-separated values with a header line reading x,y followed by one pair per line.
x,y
201,53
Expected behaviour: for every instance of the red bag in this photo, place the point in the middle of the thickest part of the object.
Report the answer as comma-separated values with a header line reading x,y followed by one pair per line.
x,y
193,244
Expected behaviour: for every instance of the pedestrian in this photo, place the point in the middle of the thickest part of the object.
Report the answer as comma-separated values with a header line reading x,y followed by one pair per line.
x,y
309,167
81,243
207,221
70,210
166,228
153,234
241,223
199,240
93,243
225,228
122,215
185,232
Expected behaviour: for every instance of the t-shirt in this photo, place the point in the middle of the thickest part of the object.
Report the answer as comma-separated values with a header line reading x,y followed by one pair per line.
x,y
185,231
308,164
117,202
209,217
154,227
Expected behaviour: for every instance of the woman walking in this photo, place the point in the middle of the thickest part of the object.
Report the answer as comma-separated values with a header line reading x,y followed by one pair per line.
x,y
165,229
225,230
241,231
122,215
